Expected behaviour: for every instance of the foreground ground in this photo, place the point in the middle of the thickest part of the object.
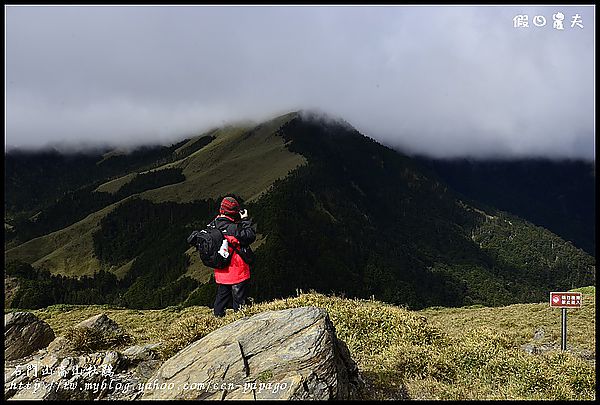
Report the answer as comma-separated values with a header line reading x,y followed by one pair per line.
x,y
510,352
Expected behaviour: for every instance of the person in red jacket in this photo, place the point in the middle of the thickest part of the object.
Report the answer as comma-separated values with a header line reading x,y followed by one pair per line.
x,y
233,281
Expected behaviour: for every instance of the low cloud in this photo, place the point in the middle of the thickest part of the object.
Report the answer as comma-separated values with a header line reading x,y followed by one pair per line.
x,y
441,81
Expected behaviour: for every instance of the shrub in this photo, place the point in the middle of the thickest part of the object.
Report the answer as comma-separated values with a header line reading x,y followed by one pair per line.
x,y
86,340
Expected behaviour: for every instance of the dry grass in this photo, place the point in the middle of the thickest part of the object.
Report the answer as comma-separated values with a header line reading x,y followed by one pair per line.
x,y
86,340
450,354
521,321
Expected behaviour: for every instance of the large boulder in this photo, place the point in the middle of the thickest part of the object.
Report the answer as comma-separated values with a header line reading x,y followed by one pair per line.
x,y
24,333
288,354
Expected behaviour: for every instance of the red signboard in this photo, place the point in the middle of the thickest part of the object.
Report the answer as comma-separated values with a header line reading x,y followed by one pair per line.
x,y
565,299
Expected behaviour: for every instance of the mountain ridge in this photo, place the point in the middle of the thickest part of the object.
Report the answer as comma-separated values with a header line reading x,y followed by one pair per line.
x,y
556,194
337,211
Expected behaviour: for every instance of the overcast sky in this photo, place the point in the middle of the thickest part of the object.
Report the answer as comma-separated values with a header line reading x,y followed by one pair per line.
x,y
437,80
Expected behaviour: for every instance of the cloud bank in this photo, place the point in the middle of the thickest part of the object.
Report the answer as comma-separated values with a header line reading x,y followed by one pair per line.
x,y
444,81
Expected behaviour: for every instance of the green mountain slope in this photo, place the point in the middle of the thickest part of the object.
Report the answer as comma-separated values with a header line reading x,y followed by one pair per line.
x,y
246,160
557,195
361,219
337,212
35,180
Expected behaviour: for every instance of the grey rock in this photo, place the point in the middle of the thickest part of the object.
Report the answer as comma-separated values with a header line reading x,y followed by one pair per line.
x,y
87,377
543,348
145,369
529,348
24,333
100,323
539,334
142,353
587,354
547,347
60,346
288,354
143,360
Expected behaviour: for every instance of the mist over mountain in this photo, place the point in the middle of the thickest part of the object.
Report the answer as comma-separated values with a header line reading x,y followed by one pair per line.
x,y
335,211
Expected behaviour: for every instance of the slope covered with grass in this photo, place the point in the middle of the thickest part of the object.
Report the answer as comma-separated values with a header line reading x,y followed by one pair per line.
x,y
246,159
68,251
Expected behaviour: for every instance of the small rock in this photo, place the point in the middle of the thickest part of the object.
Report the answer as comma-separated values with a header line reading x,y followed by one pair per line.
x,y
546,347
142,353
529,348
145,369
539,334
100,323
112,359
587,354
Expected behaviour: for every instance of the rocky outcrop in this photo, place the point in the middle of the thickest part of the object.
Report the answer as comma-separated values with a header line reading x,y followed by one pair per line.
x,y
288,354
24,333
61,372
45,376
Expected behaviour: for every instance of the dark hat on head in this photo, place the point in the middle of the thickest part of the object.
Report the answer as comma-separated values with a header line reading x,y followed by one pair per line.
x,y
229,206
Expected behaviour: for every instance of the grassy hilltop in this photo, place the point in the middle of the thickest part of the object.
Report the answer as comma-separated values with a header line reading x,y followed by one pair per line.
x,y
436,353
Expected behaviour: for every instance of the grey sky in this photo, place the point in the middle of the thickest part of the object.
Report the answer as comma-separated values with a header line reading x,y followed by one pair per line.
x,y
438,80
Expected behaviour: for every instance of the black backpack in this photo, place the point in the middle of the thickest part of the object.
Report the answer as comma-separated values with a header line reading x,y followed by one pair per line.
x,y
208,242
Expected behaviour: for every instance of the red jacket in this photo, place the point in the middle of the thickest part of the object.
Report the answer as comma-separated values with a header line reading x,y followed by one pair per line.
x,y
237,234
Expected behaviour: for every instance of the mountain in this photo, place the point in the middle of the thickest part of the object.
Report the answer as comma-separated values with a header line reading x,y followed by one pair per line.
x,y
557,195
335,211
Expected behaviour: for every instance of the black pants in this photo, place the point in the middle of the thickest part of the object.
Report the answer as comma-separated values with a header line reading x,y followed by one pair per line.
x,y
225,294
